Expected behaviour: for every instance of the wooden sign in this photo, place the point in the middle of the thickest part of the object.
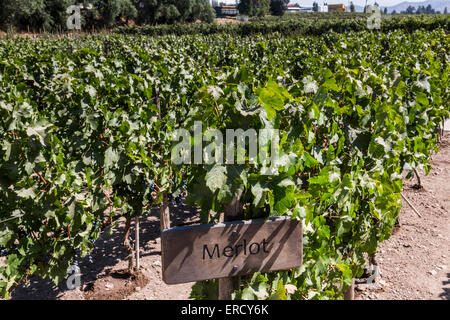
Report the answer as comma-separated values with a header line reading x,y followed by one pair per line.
x,y
230,249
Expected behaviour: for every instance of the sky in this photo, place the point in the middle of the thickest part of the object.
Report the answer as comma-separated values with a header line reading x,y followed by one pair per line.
x,y
383,3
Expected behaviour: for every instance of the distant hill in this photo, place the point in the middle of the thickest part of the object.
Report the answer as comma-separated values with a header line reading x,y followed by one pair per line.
x,y
437,5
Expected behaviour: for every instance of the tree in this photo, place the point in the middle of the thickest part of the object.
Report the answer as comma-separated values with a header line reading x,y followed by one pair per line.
x,y
278,7
352,7
56,9
385,10
445,10
167,14
16,13
429,9
254,7
146,11
315,6
202,10
36,15
394,12
51,14
108,13
410,10
245,7
171,11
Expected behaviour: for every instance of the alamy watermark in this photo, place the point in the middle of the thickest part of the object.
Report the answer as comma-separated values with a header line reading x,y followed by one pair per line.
x,y
375,273
374,21
74,279
74,19
263,147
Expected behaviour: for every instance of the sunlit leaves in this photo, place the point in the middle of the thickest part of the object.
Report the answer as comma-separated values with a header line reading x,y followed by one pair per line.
x,y
82,133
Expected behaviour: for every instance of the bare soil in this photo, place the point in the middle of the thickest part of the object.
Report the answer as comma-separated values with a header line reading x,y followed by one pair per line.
x,y
414,262
226,20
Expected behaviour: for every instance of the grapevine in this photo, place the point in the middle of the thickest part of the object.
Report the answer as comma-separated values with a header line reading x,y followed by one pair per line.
x,y
86,138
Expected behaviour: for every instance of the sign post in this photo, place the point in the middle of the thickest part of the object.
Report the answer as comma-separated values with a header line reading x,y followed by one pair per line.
x,y
230,249
228,285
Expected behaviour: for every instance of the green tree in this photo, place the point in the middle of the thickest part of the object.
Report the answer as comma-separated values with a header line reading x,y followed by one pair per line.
x,y
146,11
202,10
263,8
167,14
278,7
171,11
352,7
23,13
410,10
35,15
112,11
254,7
315,6
245,7
445,10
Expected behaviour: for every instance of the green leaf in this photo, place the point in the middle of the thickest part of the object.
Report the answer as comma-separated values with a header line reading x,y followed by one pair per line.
x,y
26,193
422,99
111,158
215,92
280,293
216,177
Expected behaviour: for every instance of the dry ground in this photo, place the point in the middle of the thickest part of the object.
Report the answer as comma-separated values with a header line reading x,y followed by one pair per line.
x,y
415,261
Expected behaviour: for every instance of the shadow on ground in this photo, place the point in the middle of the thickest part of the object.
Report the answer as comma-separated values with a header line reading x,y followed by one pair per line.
x,y
108,251
446,294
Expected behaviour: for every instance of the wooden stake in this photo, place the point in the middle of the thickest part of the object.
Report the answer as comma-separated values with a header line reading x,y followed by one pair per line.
x,y
138,265
164,214
227,286
127,245
410,204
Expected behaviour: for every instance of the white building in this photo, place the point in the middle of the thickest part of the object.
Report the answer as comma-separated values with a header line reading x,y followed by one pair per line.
x,y
295,8
218,3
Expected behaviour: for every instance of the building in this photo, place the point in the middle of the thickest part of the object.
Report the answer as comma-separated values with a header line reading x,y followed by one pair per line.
x,y
293,8
336,7
297,8
229,11
226,10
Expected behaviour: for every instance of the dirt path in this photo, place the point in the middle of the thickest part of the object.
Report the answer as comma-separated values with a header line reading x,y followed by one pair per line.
x,y
414,263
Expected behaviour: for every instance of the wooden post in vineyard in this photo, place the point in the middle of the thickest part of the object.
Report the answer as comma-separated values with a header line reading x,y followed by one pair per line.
x,y
228,285
164,214
138,265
